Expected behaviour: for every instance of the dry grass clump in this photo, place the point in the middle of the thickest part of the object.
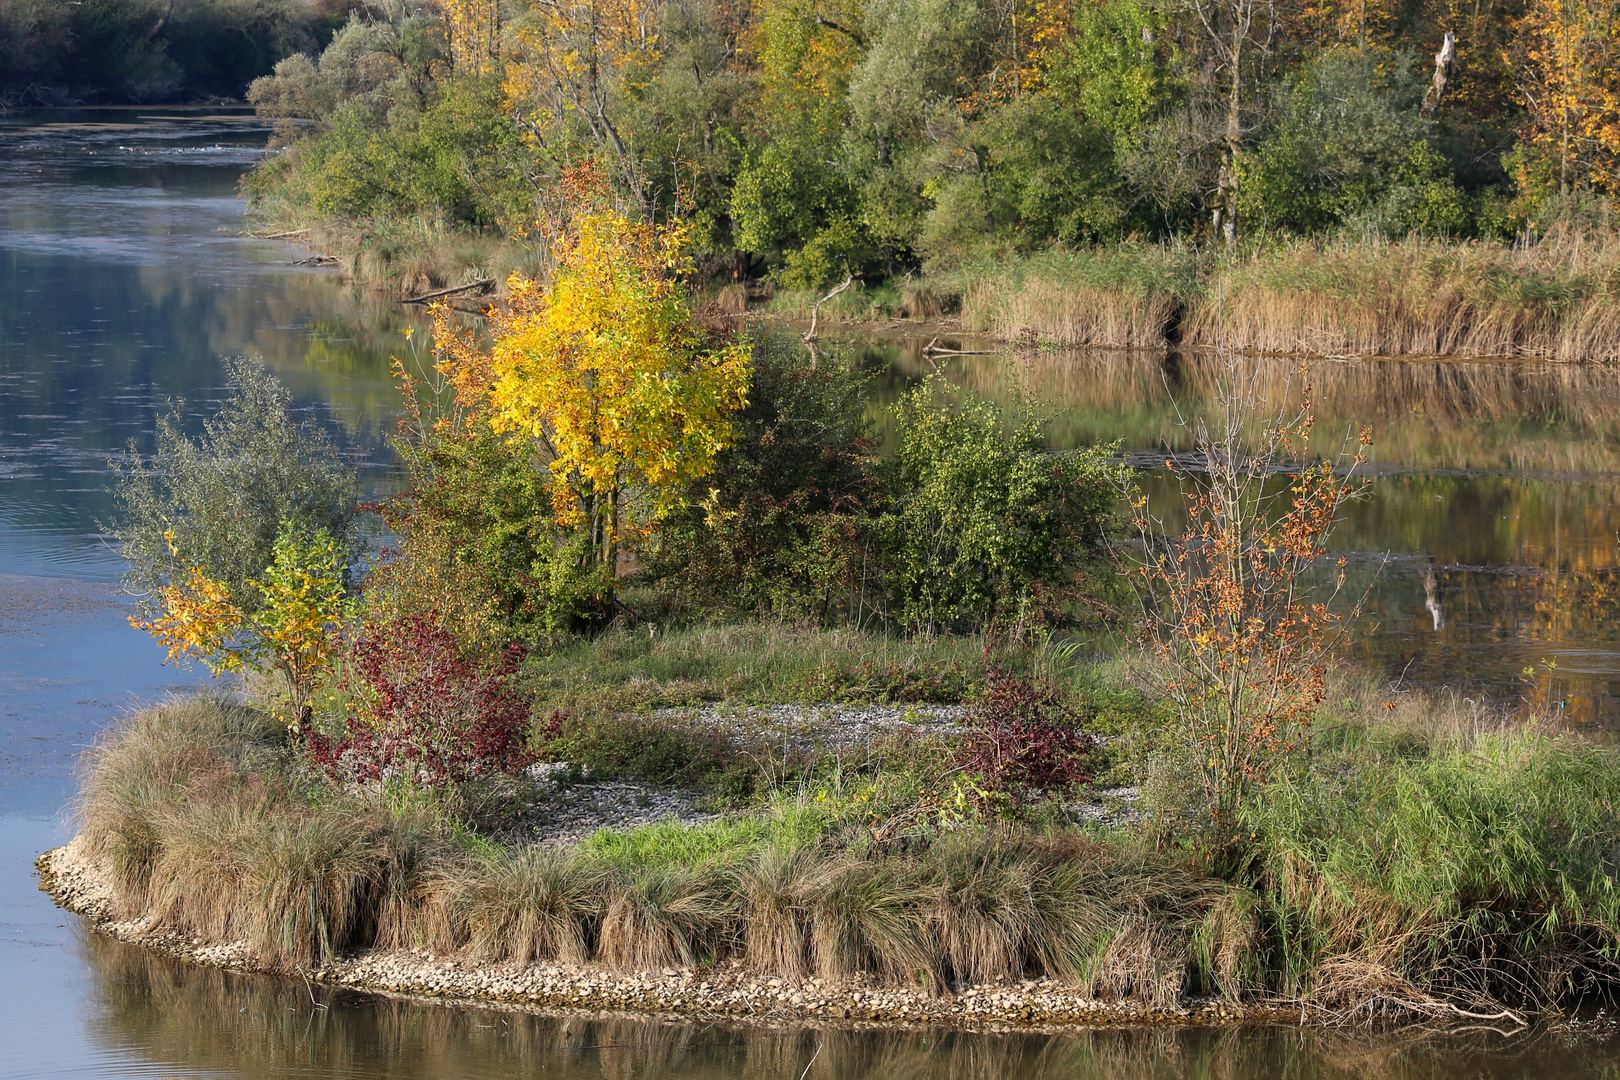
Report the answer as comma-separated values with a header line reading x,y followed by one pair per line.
x,y
134,778
772,887
732,299
190,805
524,906
659,916
1071,314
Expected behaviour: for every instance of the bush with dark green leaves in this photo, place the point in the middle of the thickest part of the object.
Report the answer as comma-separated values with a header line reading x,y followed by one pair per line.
x,y
479,548
985,525
780,526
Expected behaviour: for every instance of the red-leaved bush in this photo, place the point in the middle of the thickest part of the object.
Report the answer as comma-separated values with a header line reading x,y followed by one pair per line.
x,y
425,712
1024,734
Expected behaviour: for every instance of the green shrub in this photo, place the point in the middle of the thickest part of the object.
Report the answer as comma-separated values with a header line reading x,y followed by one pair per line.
x,y
986,526
480,551
922,682
611,745
219,502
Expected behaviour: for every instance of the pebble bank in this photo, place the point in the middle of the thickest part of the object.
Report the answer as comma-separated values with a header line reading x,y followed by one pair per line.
x,y
723,993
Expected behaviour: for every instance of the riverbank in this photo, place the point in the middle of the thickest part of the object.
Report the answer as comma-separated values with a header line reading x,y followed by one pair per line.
x,y
1558,300
1440,865
78,885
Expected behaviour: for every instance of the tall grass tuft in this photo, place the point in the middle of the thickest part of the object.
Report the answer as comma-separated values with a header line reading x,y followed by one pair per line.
x,y
135,777
1482,869
1128,296
659,916
775,930
310,882
870,915
527,906
985,915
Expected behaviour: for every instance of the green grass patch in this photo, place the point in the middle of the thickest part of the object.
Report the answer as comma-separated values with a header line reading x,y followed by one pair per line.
x,y
728,839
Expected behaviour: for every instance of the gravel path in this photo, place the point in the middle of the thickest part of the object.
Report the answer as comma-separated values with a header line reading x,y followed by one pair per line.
x,y
821,727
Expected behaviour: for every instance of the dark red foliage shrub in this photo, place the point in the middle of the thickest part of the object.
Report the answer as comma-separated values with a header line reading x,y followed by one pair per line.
x,y
426,712
1024,734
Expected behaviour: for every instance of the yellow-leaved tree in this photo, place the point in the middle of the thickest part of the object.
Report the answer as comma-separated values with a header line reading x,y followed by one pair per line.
x,y
606,369
303,604
1569,77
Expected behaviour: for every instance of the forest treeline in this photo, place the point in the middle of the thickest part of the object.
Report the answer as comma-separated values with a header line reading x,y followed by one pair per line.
x,y
807,139
92,51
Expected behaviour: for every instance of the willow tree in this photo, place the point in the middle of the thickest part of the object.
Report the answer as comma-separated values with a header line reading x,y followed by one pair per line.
x,y
605,367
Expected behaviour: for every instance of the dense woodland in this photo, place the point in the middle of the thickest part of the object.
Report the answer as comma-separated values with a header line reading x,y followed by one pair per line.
x,y
803,137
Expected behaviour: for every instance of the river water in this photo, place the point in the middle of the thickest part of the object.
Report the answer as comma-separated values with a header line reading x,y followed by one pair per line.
x,y
124,281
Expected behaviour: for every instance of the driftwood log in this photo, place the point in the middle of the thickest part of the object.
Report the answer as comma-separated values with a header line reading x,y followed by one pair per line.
x,y
425,297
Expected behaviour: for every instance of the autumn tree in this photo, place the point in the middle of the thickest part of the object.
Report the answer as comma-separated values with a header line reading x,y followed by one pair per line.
x,y
576,64
604,367
292,629
220,500
1569,77
1240,635
475,35
203,520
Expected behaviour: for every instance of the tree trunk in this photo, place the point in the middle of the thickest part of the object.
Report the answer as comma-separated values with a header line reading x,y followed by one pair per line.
x,y
1442,72
1225,220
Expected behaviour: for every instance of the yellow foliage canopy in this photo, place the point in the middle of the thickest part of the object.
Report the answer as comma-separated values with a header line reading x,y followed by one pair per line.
x,y
606,369
1570,80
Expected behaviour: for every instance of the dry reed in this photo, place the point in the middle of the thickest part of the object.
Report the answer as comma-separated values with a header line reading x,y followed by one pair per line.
x,y
1554,301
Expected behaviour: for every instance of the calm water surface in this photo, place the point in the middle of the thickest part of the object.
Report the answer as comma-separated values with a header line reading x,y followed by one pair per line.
x,y
123,281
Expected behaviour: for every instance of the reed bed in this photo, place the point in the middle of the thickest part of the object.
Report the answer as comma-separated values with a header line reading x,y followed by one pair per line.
x,y
1443,856
1129,296
407,258
1557,301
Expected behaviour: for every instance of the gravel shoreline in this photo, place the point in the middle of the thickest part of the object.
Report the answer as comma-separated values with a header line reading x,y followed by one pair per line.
x,y
79,886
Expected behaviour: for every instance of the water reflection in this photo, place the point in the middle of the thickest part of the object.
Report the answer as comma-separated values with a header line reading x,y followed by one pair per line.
x,y
1491,542
123,282
217,1023
1556,419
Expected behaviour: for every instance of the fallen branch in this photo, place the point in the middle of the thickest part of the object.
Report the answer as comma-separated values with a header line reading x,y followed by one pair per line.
x,y
932,349
425,297
277,235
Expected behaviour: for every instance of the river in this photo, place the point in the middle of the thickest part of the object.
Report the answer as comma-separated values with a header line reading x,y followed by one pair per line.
x,y
123,282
